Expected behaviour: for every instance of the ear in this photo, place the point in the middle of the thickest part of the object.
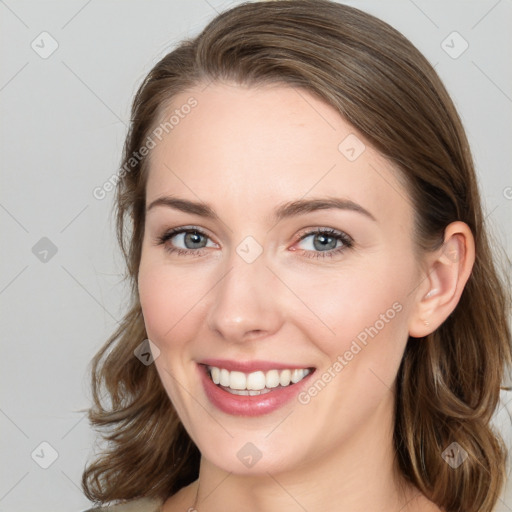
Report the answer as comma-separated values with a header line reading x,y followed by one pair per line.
x,y
444,278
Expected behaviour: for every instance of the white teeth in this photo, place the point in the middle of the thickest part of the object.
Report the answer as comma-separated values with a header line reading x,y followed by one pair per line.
x,y
215,373
297,375
247,392
224,377
285,377
272,379
255,381
237,380
258,382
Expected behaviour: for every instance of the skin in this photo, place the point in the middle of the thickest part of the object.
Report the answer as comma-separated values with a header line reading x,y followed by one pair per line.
x,y
244,151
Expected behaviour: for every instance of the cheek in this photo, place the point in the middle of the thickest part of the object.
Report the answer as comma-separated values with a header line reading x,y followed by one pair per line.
x,y
355,303
170,302
169,298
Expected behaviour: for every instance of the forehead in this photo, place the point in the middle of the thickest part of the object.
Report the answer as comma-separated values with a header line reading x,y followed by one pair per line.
x,y
242,147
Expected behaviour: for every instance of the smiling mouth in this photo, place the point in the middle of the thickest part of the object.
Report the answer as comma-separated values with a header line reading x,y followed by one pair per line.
x,y
255,383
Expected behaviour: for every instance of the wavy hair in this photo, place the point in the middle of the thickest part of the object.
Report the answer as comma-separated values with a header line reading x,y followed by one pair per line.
x,y
448,384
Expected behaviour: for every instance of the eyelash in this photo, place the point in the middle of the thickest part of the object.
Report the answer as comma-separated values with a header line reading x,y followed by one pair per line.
x,y
331,233
346,240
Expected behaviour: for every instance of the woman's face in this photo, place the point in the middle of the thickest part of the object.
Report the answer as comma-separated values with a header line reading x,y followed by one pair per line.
x,y
292,250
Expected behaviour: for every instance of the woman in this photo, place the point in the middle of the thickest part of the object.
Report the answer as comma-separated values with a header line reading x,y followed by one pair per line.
x,y
308,260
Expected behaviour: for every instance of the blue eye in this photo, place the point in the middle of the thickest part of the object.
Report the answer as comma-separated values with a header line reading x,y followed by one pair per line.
x,y
185,240
190,239
323,243
320,243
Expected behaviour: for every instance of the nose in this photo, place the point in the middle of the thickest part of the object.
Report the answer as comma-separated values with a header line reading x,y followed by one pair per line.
x,y
244,305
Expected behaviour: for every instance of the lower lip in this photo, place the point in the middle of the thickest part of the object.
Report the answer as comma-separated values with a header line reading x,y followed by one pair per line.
x,y
241,405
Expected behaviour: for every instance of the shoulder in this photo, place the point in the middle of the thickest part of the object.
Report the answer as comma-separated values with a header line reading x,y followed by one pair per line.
x,y
138,505
179,501
182,500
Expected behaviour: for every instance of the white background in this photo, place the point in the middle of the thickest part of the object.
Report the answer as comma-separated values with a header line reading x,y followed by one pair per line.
x,y
63,122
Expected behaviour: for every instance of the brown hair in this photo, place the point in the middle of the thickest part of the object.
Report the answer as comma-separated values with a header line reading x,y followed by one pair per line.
x,y
448,383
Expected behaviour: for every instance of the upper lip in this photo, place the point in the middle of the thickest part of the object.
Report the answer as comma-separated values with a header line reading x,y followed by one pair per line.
x,y
250,366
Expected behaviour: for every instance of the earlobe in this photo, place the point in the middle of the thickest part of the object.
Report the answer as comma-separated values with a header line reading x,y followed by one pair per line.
x,y
446,275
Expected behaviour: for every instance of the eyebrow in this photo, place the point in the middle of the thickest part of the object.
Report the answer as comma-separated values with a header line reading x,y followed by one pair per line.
x,y
286,210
